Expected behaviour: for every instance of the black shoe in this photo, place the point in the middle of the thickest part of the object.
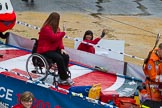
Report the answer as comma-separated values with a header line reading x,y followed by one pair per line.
x,y
34,71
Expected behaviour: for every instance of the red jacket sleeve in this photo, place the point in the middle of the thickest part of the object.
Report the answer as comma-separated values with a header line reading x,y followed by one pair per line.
x,y
61,45
48,32
95,41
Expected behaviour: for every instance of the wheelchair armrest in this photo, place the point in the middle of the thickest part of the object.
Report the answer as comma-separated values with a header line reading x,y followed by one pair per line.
x,y
34,39
35,45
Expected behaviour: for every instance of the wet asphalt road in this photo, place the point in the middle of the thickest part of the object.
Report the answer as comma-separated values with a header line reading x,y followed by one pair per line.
x,y
113,7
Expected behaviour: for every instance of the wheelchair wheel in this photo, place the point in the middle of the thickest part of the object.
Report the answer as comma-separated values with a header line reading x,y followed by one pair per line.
x,y
37,67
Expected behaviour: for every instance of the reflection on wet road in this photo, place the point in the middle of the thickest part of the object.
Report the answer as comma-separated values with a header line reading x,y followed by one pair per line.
x,y
113,7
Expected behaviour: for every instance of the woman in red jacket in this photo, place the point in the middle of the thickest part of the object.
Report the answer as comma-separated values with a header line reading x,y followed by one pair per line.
x,y
88,38
26,100
50,45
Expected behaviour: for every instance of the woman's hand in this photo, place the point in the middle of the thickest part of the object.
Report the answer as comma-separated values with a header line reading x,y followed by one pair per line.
x,y
63,51
103,33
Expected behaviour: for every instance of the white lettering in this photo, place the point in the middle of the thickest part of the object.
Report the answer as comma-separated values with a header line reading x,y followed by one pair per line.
x,y
6,93
9,94
2,89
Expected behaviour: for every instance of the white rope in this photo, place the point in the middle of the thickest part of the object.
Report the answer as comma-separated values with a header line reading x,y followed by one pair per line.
x,y
70,38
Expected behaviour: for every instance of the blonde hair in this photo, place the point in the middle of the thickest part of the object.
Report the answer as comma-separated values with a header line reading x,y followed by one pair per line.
x,y
26,96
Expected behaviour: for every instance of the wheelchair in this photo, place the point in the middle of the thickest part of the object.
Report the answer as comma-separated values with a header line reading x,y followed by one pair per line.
x,y
39,67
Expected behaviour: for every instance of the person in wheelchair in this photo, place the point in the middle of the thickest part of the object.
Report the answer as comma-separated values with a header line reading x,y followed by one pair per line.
x,y
50,45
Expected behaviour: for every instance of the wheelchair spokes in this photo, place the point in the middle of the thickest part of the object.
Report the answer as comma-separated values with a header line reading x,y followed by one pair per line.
x,y
37,67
